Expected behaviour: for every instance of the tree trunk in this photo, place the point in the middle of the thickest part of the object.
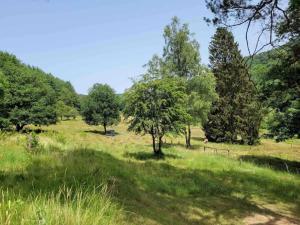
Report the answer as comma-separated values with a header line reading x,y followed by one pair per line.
x,y
160,142
153,143
19,127
157,146
188,134
104,125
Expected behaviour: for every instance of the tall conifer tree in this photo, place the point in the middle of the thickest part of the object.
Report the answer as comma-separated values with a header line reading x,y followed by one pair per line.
x,y
235,116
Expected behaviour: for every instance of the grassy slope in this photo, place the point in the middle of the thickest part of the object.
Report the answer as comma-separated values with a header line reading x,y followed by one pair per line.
x,y
83,177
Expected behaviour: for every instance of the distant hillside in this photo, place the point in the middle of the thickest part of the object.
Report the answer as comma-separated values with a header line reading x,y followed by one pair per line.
x,y
262,63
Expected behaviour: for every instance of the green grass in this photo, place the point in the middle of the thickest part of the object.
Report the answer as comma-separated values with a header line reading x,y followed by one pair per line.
x,y
80,176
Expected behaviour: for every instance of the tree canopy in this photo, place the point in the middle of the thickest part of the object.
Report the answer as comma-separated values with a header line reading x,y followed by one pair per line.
x,y
101,106
30,94
181,57
236,114
278,83
156,107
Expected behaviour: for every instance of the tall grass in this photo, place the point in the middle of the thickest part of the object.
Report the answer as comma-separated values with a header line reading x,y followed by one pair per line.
x,y
79,177
67,207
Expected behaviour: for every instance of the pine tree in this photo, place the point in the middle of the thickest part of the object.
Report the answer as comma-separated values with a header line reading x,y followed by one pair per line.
x,y
235,116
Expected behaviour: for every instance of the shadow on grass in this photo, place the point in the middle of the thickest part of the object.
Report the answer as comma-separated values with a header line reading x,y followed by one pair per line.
x,y
36,130
108,133
198,138
148,156
156,191
274,163
180,145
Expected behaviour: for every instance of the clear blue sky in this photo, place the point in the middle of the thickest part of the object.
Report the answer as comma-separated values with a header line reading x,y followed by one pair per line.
x,y
97,41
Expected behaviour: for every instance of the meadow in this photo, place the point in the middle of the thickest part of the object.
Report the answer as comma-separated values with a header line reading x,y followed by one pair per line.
x,y
77,175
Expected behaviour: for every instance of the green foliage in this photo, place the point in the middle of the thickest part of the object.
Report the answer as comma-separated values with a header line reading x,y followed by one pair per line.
x,y
118,181
236,114
181,51
64,91
278,84
201,93
2,85
32,141
101,106
156,107
182,59
30,94
65,111
28,98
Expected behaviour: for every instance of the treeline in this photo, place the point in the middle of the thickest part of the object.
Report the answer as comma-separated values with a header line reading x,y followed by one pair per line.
x,y
177,91
229,101
30,96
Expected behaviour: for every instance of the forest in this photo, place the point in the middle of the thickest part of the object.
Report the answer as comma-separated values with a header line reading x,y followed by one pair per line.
x,y
187,143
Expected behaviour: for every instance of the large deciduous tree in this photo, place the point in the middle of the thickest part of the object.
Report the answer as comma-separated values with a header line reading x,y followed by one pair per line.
x,y
156,107
235,116
28,98
101,106
182,59
201,94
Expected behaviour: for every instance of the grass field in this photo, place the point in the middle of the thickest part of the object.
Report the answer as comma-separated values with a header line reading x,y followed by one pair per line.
x,y
80,176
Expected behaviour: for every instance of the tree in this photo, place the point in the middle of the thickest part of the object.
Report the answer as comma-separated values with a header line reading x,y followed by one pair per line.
x,y
276,21
28,98
71,113
236,114
4,123
181,57
64,91
201,94
63,110
279,85
2,85
155,107
181,51
280,93
101,106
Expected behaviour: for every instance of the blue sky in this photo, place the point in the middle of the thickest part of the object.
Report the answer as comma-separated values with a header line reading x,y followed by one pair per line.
x,y
97,41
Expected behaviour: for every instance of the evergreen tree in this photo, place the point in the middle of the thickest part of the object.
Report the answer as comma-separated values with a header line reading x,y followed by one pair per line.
x,y
235,116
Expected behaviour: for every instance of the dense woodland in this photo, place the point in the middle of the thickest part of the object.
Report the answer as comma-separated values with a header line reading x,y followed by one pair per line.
x,y
31,96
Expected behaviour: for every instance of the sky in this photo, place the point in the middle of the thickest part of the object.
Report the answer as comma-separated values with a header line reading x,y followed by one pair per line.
x,y
98,41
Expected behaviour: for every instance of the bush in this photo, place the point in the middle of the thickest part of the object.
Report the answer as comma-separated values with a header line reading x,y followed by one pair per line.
x,y
4,124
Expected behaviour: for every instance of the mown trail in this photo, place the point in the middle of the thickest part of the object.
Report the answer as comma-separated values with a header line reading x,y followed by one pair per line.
x,y
80,173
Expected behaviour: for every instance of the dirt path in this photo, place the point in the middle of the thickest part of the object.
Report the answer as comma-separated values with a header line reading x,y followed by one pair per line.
x,y
259,219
